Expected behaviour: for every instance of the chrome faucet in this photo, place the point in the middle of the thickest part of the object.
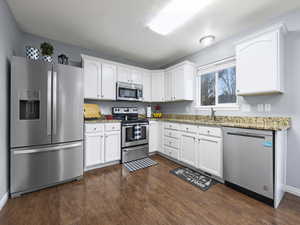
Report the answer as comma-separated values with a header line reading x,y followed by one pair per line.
x,y
212,114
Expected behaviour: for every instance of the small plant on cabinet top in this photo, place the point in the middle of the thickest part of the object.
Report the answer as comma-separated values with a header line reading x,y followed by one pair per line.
x,y
47,49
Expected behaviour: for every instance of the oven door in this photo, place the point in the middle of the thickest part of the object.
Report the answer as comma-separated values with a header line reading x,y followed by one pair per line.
x,y
129,92
135,134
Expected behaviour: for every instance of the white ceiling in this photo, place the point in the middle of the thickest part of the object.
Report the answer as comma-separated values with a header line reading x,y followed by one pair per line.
x,y
118,27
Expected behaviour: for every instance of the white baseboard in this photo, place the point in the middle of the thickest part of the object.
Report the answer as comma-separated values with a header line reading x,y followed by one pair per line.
x,y
292,190
3,200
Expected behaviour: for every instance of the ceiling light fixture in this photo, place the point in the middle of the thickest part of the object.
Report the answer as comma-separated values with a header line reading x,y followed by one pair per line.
x,y
175,14
207,40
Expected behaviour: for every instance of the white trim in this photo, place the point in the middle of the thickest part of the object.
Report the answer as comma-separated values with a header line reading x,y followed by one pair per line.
x,y
214,68
3,200
233,107
279,26
292,190
228,60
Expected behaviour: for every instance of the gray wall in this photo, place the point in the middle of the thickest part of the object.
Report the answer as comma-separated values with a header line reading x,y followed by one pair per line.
x,y
74,54
72,51
10,39
282,105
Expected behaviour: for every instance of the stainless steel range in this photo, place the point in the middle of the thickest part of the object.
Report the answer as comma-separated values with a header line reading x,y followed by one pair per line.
x,y
134,135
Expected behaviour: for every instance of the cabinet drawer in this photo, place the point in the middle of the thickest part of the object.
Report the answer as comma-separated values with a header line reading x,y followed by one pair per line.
x,y
171,142
172,126
94,128
112,126
171,134
189,128
212,131
174,153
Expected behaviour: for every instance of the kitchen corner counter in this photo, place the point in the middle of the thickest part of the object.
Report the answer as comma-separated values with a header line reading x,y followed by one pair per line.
x,y
101,121
260,123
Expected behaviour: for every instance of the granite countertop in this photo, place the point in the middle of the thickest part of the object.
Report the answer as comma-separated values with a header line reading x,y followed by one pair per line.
x,y
261,123
101,121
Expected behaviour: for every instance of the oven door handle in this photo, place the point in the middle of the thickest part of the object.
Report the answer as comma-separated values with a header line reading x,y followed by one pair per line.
x,y
134,148
134,124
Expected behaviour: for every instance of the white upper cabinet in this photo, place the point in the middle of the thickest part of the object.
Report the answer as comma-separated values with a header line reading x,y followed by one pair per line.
x,y
129,75
173,84
124,74
179,85
136,76
157,86
99,80
92,73
146,77
168,86
259,62
109,79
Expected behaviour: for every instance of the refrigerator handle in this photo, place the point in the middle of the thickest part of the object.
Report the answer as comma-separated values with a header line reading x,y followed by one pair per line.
x,y
54,102
49,86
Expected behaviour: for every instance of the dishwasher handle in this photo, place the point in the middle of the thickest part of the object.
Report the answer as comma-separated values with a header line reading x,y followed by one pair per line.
x,y
245,134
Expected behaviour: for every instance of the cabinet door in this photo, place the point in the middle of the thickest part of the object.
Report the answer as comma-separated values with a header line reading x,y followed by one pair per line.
x,y
210,155
168,86
93,150
92,77
147,87
136,77
153,136
257,60
157,87
188,149
160,138
112,146
124,74
109,77
178,84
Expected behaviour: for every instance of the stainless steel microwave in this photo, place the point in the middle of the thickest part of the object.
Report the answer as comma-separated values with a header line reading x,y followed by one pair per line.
x,y
129,92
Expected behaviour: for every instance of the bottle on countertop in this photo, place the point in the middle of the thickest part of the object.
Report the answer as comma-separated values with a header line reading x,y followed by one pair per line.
x,y
149,111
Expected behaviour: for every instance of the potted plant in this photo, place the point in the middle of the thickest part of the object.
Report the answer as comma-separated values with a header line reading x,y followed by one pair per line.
x,y
47,52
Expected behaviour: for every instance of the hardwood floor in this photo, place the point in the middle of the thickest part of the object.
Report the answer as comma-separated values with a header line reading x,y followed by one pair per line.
x,y
113,196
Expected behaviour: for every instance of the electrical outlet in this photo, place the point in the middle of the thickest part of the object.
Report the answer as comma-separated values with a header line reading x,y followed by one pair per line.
x,y
267,107
246,108
260,107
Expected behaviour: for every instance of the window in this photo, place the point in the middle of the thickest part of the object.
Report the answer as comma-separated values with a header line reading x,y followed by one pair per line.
x,y
216,86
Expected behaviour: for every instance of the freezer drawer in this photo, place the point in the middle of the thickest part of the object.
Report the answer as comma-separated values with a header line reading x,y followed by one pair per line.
x,y
248,160
35,168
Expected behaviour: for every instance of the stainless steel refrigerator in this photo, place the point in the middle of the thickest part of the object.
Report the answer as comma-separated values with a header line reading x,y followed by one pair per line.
x,y
46,125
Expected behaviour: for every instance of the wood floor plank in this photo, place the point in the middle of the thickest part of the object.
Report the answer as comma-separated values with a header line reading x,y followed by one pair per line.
x,y
152,196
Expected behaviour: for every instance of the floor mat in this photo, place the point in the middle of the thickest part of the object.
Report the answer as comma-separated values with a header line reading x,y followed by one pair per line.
x,y
139,164
197,179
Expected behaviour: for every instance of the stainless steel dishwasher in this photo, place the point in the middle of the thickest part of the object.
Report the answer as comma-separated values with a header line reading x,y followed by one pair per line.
x,y
249,161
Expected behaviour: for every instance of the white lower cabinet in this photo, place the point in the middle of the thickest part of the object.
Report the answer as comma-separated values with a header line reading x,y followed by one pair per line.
x,y
210,155
155,136
198,146
101,145
112,146
93,153
188,149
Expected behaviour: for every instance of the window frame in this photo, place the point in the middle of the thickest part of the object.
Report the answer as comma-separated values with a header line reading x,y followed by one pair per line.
x,y
214,68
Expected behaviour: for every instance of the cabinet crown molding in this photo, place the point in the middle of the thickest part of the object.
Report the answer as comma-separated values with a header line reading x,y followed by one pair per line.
x,y
281,27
